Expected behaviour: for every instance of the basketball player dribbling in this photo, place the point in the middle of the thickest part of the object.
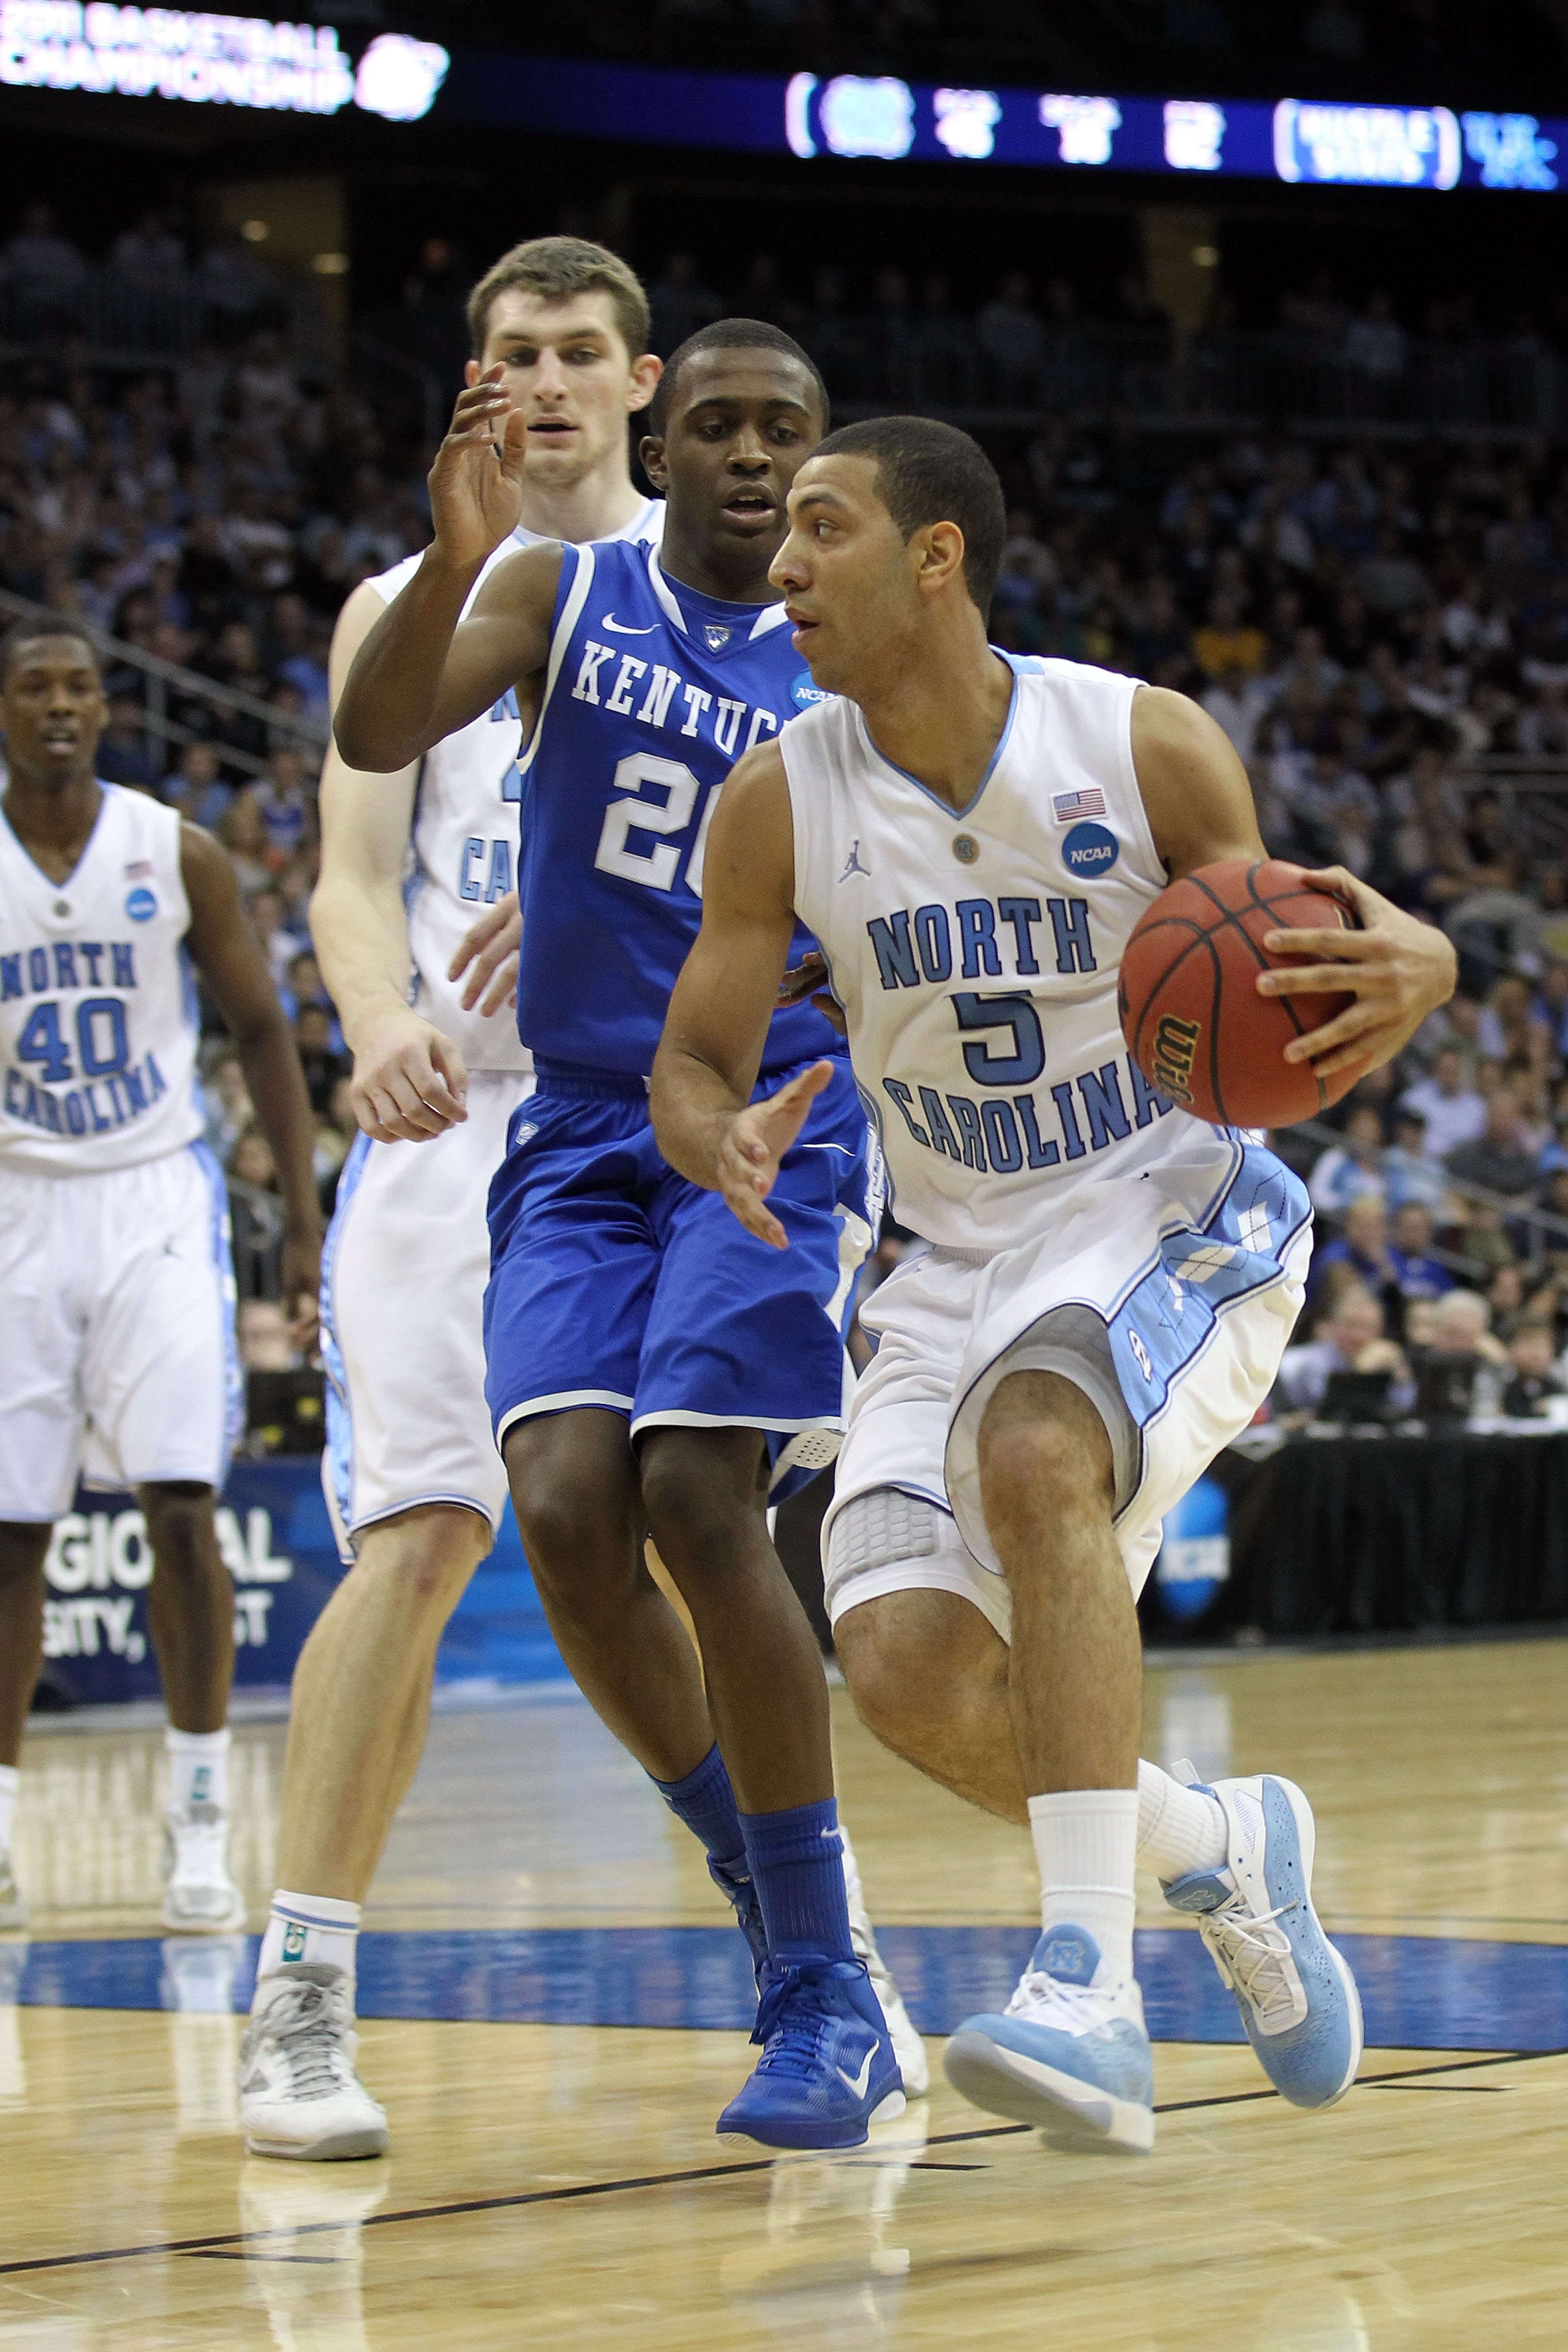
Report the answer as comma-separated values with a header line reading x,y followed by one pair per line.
x,y
118,1360
1111,1283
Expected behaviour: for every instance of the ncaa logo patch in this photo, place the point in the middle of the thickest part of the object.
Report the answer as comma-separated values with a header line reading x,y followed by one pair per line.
x,y
1089,850
140,905
805,692
294,1941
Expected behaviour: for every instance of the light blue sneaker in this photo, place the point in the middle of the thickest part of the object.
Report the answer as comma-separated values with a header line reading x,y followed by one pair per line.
x,y
1070,2053
1297,1995
827,2070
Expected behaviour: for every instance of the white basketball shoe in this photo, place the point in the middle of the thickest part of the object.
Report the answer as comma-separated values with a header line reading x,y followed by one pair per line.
x,y
1296,1994
908,2047
299,2093
200,1898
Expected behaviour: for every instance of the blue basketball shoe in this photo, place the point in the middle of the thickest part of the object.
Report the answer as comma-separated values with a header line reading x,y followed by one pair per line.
x,y
1070,2054
1297,1995
827,2070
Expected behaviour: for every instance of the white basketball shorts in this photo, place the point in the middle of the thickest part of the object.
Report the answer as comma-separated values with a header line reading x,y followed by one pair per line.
x,y
1167,1297
118,1361
402,1289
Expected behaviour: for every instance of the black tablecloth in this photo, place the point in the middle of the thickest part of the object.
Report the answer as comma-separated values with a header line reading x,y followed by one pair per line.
x,y
1360,1534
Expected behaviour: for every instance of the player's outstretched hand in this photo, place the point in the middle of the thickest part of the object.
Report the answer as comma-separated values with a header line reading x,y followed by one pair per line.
x,y
756,1141
1398,971
409,1082
476,482
810,978
490,945
302,1274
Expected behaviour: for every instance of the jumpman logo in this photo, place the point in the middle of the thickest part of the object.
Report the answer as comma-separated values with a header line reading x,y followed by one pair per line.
x,y
852,863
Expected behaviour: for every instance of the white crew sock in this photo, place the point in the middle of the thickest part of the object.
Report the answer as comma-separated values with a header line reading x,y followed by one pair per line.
x,y
10,1779
314,1931
1178,1829
199,1770
1086,1844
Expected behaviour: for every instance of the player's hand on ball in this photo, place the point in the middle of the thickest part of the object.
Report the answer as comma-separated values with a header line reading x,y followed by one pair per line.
x,y
757,1140
409,1082
489,945
1398,971
476,482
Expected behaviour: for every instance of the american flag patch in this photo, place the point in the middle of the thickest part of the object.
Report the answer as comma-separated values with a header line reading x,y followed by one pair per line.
x,y
138,869
1071,805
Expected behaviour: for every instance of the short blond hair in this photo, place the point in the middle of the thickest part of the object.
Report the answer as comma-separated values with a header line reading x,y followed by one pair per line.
x,y
556,267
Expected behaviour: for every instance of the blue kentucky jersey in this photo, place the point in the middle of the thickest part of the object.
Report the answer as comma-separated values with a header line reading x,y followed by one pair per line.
x,y
651,695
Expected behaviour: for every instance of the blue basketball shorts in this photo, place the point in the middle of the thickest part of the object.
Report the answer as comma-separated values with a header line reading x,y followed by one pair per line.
x,y
615,1282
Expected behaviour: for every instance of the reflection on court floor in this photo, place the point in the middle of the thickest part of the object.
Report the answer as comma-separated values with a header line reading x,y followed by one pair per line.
x,y
554,2014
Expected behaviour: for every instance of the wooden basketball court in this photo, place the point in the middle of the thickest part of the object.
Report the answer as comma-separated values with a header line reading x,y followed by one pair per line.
x,y
554,2014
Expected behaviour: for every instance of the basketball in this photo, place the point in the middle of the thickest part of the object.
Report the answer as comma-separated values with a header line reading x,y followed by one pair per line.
x,y
1192,1016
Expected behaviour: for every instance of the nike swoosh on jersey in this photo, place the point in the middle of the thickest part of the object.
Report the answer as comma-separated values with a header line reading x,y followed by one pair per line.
x,y
857,2083
621,629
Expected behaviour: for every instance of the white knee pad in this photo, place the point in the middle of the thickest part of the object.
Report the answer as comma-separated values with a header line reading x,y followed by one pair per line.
x,y
873,1530
887,1541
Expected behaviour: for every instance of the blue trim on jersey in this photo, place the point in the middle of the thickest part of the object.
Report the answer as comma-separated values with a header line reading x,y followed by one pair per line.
x,y
991,766
219,1244
338,1456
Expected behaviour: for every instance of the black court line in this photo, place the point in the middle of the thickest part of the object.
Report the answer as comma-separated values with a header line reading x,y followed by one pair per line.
x,y
692,2176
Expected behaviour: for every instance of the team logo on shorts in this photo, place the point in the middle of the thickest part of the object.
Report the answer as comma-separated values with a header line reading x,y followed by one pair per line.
x,y
805,692
293,1941
1089,850
140,905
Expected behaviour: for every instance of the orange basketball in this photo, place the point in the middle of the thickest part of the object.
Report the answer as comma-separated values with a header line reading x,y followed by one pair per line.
x,y
1191,1013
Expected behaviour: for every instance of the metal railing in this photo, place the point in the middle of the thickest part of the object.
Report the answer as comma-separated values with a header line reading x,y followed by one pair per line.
x,y
161,678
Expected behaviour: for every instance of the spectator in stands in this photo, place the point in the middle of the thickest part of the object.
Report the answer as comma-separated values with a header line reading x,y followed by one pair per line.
x,y
149,257
256,1216
1352,1341
279,944
1348,1171
1361,1245
1411,1172
279,799
244,837
235,287
1533,1379
229,1112
1455,1113
1499,1159
1415,1271
1460,1322
195,787
262,1328
323,1066
125,751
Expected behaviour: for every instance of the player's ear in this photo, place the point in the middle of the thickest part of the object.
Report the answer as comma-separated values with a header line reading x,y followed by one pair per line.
x,y
645,374
940,550
650,449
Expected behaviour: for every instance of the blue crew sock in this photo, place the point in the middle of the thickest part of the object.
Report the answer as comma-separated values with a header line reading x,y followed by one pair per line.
x,y
705,1802
797,1867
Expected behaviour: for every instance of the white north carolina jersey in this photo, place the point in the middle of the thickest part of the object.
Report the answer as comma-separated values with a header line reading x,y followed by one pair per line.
x,y
98,1012
976,955
464,847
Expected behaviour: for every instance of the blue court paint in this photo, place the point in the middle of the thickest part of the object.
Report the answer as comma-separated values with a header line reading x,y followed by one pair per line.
x,y
1420,1992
